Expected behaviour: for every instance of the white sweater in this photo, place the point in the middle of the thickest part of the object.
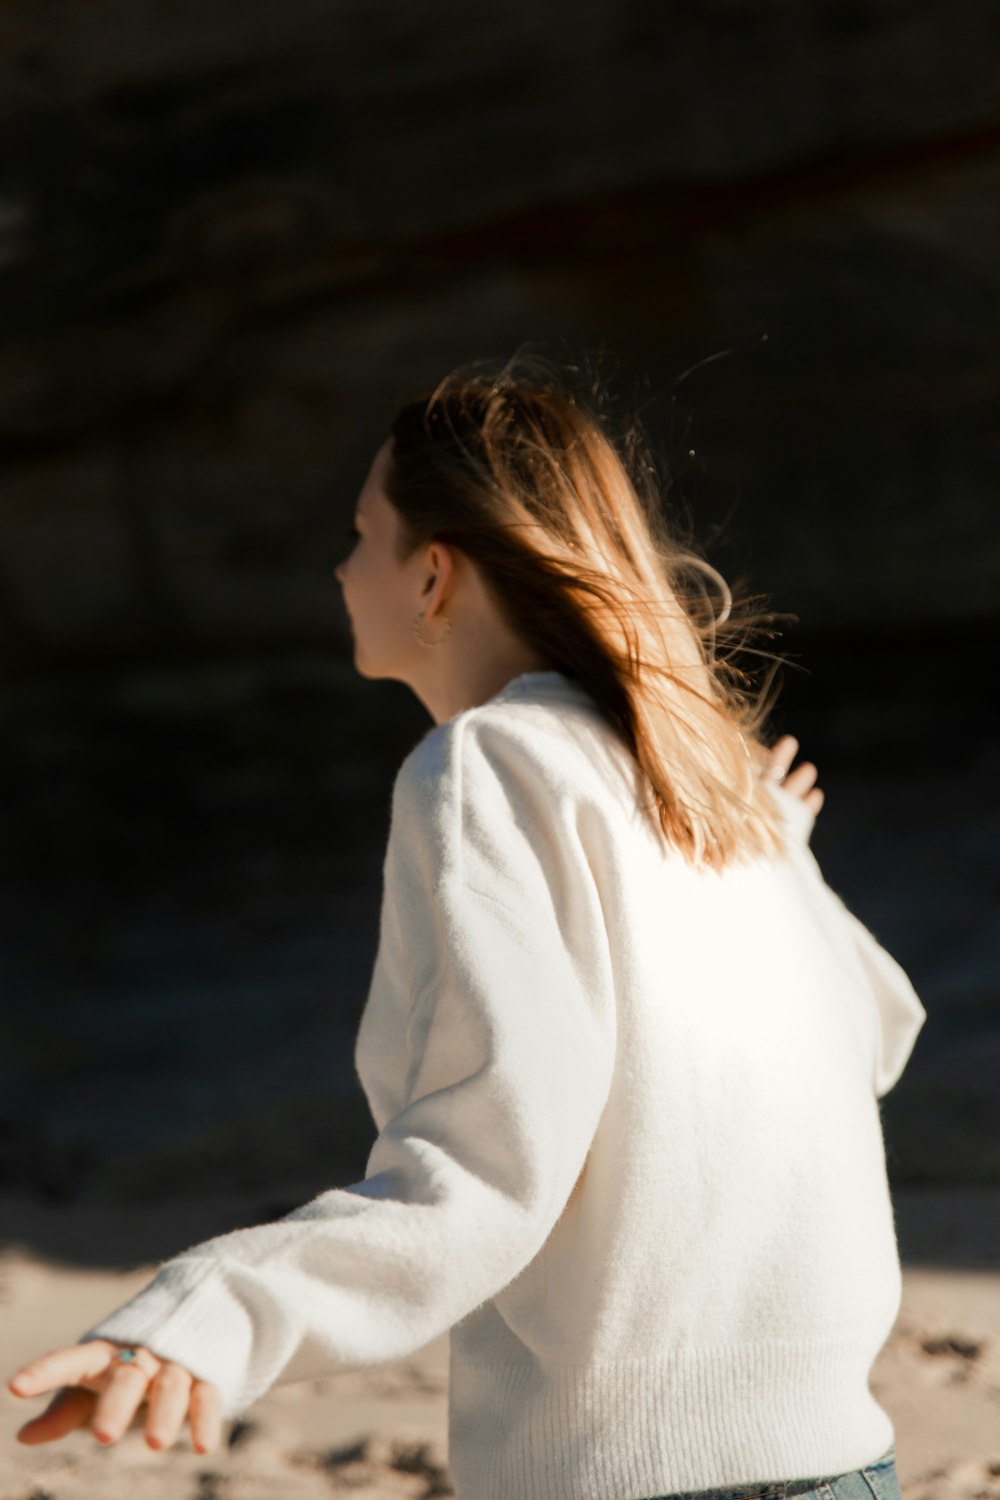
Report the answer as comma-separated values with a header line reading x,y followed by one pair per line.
x,y
629,1146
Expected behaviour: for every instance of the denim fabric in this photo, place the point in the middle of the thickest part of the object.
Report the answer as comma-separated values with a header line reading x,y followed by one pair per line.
x,y
877,1481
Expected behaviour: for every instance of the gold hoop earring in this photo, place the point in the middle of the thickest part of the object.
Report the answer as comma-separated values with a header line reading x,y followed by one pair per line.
x,y
416,630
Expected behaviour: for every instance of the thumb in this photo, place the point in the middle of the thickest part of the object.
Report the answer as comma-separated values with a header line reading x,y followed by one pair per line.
x,y
70,1407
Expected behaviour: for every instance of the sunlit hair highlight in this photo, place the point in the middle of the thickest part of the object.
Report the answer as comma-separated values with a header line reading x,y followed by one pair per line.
x,y
519,469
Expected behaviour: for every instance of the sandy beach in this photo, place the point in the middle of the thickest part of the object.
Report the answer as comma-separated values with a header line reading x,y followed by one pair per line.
x,y
382,1433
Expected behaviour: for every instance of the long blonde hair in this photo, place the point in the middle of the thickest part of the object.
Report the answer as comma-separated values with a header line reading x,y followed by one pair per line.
x,y
518,469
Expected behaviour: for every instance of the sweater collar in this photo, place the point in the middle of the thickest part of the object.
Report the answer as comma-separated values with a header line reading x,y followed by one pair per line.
x,y
527,684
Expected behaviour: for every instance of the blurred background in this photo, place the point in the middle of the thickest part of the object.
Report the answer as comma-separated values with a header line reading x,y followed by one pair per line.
x,y
232,239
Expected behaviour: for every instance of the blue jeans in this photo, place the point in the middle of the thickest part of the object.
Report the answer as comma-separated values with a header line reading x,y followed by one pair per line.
x,y
878,1481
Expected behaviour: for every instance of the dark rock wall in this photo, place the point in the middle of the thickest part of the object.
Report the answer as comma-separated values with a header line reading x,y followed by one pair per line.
x,y
228,243
232,238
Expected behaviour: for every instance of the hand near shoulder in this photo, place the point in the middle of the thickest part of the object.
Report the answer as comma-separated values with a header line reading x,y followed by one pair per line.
x,y
93,1386
801,781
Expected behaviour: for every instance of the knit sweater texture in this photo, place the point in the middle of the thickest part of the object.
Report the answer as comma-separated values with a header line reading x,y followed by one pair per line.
x,y
629,1148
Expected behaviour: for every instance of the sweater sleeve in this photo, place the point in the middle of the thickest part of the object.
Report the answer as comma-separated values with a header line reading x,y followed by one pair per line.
x,y
899,1014
503,1030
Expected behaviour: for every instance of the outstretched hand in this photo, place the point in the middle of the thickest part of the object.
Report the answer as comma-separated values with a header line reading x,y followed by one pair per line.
x,y
94,1387
799,782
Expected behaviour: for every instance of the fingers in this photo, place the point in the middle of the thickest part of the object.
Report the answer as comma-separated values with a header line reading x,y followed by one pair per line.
x,y
113,1394
68,1408
172,1395
206,1416
801,779
783,752
799,782
168,1404
118,1403
59,1367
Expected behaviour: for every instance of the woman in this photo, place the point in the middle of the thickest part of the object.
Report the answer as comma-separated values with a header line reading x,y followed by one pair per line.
x,y
623,1046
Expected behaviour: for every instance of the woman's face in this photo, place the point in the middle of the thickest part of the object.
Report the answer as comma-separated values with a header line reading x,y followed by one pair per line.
x,y
380,594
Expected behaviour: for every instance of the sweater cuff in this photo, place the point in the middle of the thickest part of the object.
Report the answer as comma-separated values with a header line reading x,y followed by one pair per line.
x,y
188,1314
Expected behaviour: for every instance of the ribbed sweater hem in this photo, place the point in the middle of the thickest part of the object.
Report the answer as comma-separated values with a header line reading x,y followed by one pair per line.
x,y
685,1420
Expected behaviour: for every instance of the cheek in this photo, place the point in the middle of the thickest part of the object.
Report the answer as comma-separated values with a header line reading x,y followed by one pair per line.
x,y
368,583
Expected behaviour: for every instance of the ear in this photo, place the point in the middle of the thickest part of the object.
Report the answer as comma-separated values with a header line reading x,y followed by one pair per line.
x,y
441,566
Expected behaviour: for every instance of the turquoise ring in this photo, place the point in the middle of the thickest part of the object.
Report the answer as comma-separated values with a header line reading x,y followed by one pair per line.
x,y
131,1357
